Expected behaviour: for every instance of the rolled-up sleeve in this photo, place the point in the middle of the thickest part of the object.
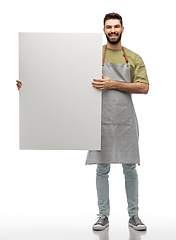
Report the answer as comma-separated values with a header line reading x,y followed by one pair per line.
x,y
140,73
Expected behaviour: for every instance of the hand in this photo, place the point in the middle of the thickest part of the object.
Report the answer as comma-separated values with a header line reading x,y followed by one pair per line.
x,y
104,83
19,83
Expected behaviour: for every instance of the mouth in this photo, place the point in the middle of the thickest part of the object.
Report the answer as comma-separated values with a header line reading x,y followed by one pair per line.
x,y
113,35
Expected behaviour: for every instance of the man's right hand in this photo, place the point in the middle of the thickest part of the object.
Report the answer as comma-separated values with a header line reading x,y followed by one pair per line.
x,y
19,83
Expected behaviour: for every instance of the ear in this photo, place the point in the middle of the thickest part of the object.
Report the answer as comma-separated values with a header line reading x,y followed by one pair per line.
x,y
104,31
122,29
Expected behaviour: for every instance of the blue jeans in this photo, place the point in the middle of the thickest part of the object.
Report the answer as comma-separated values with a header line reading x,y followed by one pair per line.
x,y
131,187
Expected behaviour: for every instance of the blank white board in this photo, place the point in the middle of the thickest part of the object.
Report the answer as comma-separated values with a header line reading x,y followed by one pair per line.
x,y
59,108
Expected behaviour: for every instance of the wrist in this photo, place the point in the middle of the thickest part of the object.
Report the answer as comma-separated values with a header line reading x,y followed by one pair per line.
x,y
114,84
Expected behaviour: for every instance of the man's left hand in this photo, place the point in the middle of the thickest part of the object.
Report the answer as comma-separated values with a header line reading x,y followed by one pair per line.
x,y
104,83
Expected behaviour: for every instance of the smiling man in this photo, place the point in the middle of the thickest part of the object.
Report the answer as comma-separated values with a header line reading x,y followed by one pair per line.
x,y
124,73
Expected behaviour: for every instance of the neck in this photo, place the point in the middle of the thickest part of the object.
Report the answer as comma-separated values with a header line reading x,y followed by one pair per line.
x,y
114,46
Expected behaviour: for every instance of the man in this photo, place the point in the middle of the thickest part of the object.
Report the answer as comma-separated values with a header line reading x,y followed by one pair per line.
x,y
124,73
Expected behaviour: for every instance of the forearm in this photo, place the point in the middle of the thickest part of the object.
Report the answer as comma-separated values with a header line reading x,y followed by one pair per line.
x,y
130,87
108,83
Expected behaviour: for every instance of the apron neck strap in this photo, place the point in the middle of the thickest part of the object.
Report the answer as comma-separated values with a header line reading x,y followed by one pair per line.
x,y
104,55
124,54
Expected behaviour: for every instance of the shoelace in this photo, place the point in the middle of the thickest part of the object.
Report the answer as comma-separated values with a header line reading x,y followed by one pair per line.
x,y
137,220
100,217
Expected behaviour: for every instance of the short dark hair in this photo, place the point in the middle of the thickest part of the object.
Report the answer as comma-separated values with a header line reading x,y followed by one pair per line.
x,y
113,16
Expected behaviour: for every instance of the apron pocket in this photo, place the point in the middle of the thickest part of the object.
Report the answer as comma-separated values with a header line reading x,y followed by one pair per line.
x,y
117,110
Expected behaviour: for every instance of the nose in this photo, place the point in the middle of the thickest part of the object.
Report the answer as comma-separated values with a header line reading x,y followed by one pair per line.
x,y
113,29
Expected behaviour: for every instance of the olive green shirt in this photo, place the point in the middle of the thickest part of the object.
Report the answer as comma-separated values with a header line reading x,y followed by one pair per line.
x,y
137,67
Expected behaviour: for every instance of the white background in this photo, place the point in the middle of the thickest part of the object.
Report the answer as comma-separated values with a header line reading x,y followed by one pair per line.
x,y
39,189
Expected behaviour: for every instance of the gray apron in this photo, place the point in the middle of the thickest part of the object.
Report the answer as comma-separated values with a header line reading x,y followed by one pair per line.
x,y
119,126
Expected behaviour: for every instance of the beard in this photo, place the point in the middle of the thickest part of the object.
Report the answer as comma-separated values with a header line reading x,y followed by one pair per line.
x,y
116,41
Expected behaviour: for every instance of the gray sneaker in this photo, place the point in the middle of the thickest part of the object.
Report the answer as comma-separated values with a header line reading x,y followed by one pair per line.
x,y
101,223
136,223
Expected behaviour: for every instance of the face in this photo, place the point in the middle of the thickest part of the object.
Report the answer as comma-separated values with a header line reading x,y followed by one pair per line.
x,y
113,30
